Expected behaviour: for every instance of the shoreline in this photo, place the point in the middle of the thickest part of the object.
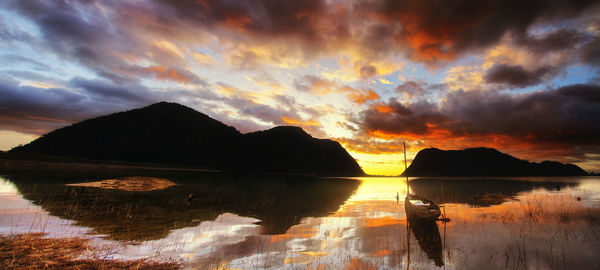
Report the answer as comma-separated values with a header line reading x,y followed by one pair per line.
x,y
25,164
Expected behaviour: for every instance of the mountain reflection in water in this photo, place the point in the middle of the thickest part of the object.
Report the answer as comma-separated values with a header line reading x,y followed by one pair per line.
x,y
483,191
278,201
245,221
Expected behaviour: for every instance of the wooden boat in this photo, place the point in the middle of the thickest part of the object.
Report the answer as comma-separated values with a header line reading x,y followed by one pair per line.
x,y
419,208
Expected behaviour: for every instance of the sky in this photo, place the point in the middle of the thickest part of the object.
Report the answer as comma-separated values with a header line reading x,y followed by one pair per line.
x,y
519,76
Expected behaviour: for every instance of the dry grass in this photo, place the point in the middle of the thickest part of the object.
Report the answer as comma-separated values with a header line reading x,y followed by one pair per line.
x,y
31,251
557,209
532,209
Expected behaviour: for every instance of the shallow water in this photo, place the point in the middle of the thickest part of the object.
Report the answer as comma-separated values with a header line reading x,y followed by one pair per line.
x,y
257,221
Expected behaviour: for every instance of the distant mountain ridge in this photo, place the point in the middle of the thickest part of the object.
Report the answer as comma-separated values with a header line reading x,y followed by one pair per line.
x,y
483,162
170,133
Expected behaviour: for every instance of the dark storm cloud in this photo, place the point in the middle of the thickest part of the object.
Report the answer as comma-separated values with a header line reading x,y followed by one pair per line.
x,y
102,41
568,115
590,53
412,118
427,30
424,30
439,30
35,110
104,90
64,27
411,88
587,93
30,109
77,31
516,76
265,18
418,89
561,39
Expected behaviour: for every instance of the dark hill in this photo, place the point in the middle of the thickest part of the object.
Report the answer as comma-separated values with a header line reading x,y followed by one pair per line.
x,y
483,162
173,134
165,133
324,157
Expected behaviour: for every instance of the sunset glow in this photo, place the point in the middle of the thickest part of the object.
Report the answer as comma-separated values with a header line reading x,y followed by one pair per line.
x,y
519,77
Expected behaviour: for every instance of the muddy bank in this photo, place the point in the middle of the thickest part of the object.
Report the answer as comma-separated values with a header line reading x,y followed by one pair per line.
x,y
136,183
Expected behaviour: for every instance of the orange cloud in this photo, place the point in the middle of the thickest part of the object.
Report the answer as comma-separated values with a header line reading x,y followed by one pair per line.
x,y
383,108
300,122
169,74
237,22
362,97
524,148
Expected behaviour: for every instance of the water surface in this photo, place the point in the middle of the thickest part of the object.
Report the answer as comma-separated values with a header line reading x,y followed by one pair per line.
x,y
261,221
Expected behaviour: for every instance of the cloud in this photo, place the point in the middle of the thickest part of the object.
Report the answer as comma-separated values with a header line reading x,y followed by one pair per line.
x,y
319,86
418,89
590,53
169,74
286,111
11,32
365,145
267,82
516,76
35,110
360,97
440,30
559,120
102,90
367,72
411,88
309,21
315,84
101,37
566,115
561,39
14,59
397,118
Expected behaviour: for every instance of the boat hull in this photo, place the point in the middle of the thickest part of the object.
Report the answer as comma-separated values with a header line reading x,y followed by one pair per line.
x,y
420,212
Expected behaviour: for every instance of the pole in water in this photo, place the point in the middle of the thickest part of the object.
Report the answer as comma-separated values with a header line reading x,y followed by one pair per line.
x,y
405,168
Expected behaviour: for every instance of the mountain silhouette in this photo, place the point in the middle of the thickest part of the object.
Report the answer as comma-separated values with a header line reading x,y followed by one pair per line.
x,y
173,134
483,162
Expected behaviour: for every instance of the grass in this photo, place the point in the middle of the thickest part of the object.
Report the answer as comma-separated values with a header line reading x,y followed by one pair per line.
x,y
32,251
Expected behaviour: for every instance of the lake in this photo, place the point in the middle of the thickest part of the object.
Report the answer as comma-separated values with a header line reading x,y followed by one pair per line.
x,y
271,221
